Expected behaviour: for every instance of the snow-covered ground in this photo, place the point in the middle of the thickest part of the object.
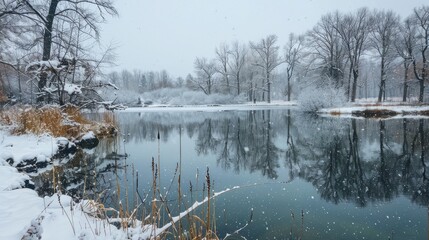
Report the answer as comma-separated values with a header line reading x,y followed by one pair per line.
x,y
22,211
25,147
213,107
25,215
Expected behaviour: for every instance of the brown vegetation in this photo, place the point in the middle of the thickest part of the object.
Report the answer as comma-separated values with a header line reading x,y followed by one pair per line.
x,y
335,113
375,113
65,121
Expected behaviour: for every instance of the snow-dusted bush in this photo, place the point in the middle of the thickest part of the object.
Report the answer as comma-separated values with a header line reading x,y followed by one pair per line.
x,y
67,81
184,96
120,96
313,98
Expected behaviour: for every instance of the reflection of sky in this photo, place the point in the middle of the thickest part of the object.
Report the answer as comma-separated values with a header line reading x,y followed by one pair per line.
x,y
273,202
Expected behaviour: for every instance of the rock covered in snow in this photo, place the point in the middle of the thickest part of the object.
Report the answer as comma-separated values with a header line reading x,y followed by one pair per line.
x,y
33,164
65,147
88,140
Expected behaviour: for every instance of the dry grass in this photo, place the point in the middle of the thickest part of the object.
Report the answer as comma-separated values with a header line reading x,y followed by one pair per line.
x,y
424,113
65,121
335,113
3,98
375,113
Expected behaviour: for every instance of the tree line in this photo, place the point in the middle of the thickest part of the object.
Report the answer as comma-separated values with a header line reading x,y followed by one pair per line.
x,y
333,52
366,53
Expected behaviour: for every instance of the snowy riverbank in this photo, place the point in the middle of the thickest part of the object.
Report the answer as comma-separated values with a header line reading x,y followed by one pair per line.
x,y
213,107
22,212
25,215
389,110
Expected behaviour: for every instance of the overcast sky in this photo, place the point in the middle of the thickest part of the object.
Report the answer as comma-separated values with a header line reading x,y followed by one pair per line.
x,y
170,34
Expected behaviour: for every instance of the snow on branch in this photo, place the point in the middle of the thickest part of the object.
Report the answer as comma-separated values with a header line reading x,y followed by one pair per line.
x,y
40,66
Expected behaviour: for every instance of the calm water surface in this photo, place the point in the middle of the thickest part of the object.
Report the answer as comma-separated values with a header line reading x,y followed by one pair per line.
x,y
299,175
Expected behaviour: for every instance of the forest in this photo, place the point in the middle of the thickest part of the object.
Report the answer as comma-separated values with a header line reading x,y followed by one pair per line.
x,y
50,53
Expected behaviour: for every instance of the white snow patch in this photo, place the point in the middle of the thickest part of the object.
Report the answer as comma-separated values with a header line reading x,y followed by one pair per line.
x,y
11,179
89,135
213,107
40,65
26,147
72,88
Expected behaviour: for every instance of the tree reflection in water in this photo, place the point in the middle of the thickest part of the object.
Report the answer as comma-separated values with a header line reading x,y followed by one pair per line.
x,y
358,160
353,160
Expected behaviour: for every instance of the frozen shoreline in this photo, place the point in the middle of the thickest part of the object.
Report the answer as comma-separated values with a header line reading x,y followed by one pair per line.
x,y
212,107
384,111
23,212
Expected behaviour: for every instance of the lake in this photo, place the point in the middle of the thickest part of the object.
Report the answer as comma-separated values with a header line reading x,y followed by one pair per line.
x,y
299,175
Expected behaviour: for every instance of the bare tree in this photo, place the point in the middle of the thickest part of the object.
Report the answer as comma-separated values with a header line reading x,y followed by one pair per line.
x,y
383,35
420,18
268,59
46,13
293,50
222,58
238,53
205,71
327,48
10,28
405,47
354,30
165,79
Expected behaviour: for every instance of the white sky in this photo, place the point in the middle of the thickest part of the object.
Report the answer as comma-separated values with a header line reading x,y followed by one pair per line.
x,y
170,34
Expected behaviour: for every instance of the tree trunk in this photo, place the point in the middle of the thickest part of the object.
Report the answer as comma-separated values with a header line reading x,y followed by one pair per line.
x,y
209,86
405,93
47,44
349,81
382,87
354,87
19,81
423,78
238,83
268,88
288,88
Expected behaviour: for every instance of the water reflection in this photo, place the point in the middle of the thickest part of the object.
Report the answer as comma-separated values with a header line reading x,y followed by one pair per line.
x,y
354,160
88,174
362,169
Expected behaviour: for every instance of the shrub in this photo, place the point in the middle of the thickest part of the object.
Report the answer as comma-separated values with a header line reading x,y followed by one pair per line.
x,y
313,98
182,96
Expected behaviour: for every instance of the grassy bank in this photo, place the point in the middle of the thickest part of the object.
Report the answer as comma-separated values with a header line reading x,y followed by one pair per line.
x,y
66,121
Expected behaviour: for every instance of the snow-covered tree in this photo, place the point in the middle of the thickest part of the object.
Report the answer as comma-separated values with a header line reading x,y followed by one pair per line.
x,y
55,18
70,81
325,48
405,47
222,60
267,59
383,36
293,49
354,29
238,60
205,71
420,18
